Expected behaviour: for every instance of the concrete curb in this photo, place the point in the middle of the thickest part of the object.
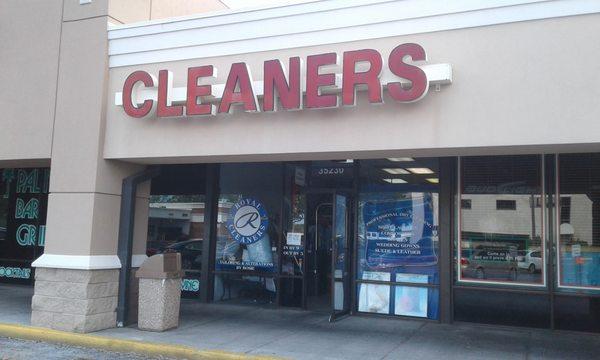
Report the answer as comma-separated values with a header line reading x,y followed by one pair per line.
x,y
118,345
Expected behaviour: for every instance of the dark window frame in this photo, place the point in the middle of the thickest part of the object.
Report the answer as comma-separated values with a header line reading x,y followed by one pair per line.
x,y
504,204
466,204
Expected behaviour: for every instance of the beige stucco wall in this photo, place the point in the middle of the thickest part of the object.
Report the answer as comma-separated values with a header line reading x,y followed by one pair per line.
x,y
520,87
30,40
29,43
84,200
162,9
54,72
128,11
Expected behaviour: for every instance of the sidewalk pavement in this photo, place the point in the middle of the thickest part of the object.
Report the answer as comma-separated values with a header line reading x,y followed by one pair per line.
x,y
298,334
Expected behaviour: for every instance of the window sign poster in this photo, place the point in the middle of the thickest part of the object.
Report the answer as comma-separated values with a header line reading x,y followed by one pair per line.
x,y
400,232
294,238
251,257
410,300
190,286
300,176
374,298
248,246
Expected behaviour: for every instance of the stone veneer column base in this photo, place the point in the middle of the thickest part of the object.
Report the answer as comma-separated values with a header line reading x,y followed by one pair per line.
x,y
75,300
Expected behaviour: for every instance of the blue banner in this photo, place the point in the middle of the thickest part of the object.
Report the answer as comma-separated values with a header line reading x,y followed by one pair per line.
x,y
400,232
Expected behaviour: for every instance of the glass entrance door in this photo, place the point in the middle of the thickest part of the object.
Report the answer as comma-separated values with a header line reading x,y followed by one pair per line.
x,y
319,247
328,253
340,258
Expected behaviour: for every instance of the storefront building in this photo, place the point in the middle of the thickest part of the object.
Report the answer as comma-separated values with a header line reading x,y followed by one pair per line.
x,y
407,159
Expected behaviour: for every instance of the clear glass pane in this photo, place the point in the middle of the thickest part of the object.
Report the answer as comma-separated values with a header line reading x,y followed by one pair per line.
x,y
176,224
341,254
293,248
374,298
501,220
244,289
579,218
416,301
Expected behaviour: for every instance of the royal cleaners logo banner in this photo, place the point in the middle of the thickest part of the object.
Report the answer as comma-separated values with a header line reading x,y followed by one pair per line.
x,y
400,232
248,245
248,221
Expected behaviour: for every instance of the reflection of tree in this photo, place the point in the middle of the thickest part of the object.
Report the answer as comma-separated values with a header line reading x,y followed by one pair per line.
x,y
298,206
176,198
230,198
3,211
8,175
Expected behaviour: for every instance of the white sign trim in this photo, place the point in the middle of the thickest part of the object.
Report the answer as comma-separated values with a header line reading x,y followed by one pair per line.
x,y
303,25
78,262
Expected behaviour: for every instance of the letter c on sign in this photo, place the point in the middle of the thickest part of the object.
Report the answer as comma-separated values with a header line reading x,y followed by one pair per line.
x,y
130,82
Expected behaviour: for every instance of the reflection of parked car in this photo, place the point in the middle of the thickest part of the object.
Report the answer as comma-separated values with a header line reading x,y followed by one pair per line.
x,y
191,253
489,264
2,233
530,260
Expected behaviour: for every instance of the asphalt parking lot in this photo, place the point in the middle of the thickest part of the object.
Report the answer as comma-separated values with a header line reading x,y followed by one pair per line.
x,y
14,349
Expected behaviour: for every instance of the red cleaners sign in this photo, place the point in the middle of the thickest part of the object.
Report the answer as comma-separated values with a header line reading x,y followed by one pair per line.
x,y
406,79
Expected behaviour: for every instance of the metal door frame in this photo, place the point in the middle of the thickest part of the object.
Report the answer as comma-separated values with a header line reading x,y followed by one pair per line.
x,y
347,272
348,192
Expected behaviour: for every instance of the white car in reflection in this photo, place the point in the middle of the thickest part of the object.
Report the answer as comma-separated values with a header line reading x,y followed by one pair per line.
x,y
530,260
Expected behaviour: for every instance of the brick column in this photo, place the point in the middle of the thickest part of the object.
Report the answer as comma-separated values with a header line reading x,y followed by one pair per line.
x,y
75,300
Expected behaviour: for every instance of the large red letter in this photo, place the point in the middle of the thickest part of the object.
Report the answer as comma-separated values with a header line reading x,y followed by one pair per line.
x,y
164,107
369,77
314,81
130,108
238,74
289,93
414,74
195,91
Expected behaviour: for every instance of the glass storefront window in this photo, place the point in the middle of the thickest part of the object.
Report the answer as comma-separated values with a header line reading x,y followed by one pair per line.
x,y
176,224
23,206
176,221
500,220
4,195
578,219
293,247
248,229
397,261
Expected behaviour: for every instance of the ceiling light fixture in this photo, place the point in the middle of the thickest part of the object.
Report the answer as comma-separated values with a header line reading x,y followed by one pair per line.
x,y
401,159
420,171
396,171
395,181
